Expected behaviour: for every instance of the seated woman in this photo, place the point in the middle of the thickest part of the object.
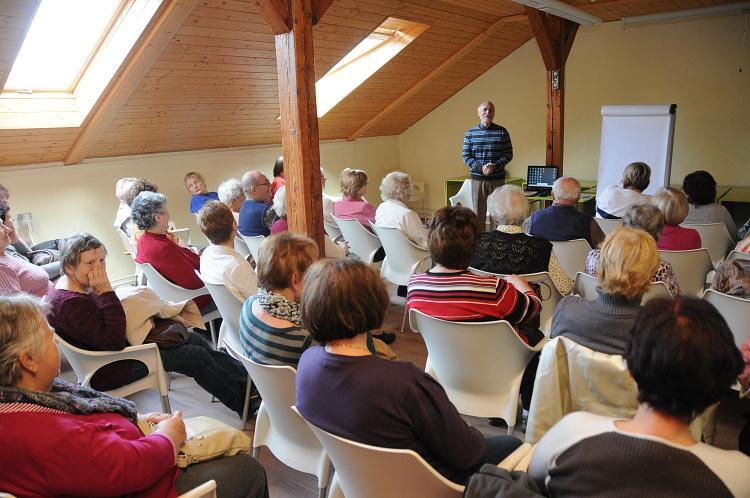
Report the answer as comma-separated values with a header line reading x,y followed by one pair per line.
x,y
674,206
682,356
175,263
278,176
199,194
700,188
508,250
230,193
279,205
105,452
85,311
395,190
220,263
649,218
31,278
627,262
352,204
343,388
615,199
271,323
122,217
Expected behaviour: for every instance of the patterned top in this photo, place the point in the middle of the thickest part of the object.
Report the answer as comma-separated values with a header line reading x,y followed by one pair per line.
x,y
487,145
664,272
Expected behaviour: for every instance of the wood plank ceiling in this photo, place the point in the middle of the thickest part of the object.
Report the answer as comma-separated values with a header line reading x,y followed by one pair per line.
x,y
214,85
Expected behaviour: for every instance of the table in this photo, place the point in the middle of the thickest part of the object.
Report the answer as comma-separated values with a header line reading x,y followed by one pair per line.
x,y
737,202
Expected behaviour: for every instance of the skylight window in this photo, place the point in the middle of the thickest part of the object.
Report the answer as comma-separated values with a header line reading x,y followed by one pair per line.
x,y
364,60
61,40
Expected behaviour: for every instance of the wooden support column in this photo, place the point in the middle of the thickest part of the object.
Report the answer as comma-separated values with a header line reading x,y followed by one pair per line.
x,y
555,37
299,119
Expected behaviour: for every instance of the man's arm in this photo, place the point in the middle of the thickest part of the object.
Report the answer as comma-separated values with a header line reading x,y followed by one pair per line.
x,y
506,150
475,165
597,235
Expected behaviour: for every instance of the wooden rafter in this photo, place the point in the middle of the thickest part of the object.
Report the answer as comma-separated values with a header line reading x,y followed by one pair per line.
x,y
319,8
167,20
445,65
277,15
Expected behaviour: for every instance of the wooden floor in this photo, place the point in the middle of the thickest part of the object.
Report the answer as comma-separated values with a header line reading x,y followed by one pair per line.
x,y
285,482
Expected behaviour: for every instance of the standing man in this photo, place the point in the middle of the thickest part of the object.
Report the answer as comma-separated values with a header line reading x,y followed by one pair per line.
x,y
486,151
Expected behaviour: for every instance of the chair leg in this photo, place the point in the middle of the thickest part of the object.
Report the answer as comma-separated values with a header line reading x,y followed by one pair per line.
x,y
246,408
511,429
256,452
165,404
212,328
322,492
403,321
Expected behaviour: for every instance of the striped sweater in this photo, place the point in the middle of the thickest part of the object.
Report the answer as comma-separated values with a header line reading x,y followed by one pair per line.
x,y
465,297
487,145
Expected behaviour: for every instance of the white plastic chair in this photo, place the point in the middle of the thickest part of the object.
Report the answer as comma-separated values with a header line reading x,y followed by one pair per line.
x,y
241,247
463,196
130,249
584,285
230,308
735,310
550,295
479,364
572,255
608,225
715,238
690,269
362,242
205,490
364,471
253,244
403,258
168,291
333,231
85,364
738,255
278,427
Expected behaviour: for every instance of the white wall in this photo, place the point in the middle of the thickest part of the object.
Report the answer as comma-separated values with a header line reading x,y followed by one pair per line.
x,y
65,199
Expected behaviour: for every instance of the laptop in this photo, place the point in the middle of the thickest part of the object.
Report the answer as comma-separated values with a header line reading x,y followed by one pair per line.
x,y
539,179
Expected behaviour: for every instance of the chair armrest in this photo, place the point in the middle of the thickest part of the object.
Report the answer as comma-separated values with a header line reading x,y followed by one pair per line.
x,y
511,461
124,354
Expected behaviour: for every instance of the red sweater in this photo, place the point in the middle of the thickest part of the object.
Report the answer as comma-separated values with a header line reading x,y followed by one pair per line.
x,y
677,238
176,264
49,453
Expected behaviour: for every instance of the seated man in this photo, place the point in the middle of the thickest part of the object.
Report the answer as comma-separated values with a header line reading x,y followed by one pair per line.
x,y
256,214
562,221
220,263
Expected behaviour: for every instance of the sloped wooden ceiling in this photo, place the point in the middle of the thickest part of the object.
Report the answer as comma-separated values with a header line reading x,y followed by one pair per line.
x,y
215,83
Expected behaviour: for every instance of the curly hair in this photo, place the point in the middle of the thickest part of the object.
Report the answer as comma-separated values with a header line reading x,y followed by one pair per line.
x,y
700,188
145,207
454,236
396,185
140,185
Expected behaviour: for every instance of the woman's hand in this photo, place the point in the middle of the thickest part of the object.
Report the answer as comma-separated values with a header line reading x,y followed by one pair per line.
x,y
13,234
519,283
173,427
99,281
154,417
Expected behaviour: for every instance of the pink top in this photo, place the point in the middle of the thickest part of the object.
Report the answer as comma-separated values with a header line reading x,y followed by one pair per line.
x,y
360,210
32,279
276,184
677,238
280,225
9,285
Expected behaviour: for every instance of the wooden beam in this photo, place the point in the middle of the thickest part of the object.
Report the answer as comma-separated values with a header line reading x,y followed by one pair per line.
x,y
299,124
544,39
147,49
319,8
276,14
445,65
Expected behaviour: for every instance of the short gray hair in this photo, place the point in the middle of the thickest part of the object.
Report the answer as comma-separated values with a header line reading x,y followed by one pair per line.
x,y
145,208
279,202
229,191
21,331
566,188
72,247
396,185
508,205
647,217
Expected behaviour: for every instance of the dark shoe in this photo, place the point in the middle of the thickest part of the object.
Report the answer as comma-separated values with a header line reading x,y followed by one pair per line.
x,y
497,422
401,291
386,337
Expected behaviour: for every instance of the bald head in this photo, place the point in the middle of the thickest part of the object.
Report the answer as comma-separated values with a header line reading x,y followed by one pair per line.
x,y
256,186
486,113
566,190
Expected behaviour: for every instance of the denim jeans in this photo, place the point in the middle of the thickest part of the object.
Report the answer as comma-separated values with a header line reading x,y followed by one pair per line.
x,y
215,371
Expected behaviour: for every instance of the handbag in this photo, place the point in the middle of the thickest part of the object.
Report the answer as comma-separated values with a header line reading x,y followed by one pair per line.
x,y
167,333
207,439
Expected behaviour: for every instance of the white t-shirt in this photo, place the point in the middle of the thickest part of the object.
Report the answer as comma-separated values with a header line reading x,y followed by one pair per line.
x,y
615,200
223,265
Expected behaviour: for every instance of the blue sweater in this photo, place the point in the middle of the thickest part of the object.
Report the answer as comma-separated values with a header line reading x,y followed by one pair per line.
x,y
487,145
197,201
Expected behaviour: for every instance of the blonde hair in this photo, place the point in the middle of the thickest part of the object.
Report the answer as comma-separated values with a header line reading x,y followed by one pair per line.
x,y
193,174
673,204
352,181
283,255
636,175
396,185
21,331
508,205
629,258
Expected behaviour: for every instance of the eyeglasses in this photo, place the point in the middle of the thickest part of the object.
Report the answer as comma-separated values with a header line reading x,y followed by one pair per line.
x,y
267,184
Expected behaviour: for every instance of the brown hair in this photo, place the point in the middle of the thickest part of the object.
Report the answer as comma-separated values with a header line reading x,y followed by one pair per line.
x,y
216,221
627,263
352,181
636,175
140,185
282,256
341,299
454,236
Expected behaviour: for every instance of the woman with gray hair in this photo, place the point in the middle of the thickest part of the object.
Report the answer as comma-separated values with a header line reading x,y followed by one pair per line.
x,y
230,193
508,250
647,217
395,190
175,263
99,432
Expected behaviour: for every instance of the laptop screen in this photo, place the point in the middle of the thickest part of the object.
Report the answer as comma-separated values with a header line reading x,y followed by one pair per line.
x,y
541,176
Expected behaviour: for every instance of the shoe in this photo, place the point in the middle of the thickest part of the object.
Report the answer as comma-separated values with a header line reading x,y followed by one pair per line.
x,y
386,337
497,422
524,420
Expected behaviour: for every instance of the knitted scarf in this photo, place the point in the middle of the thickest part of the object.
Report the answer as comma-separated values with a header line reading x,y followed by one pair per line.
x,y
279,306
71,398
